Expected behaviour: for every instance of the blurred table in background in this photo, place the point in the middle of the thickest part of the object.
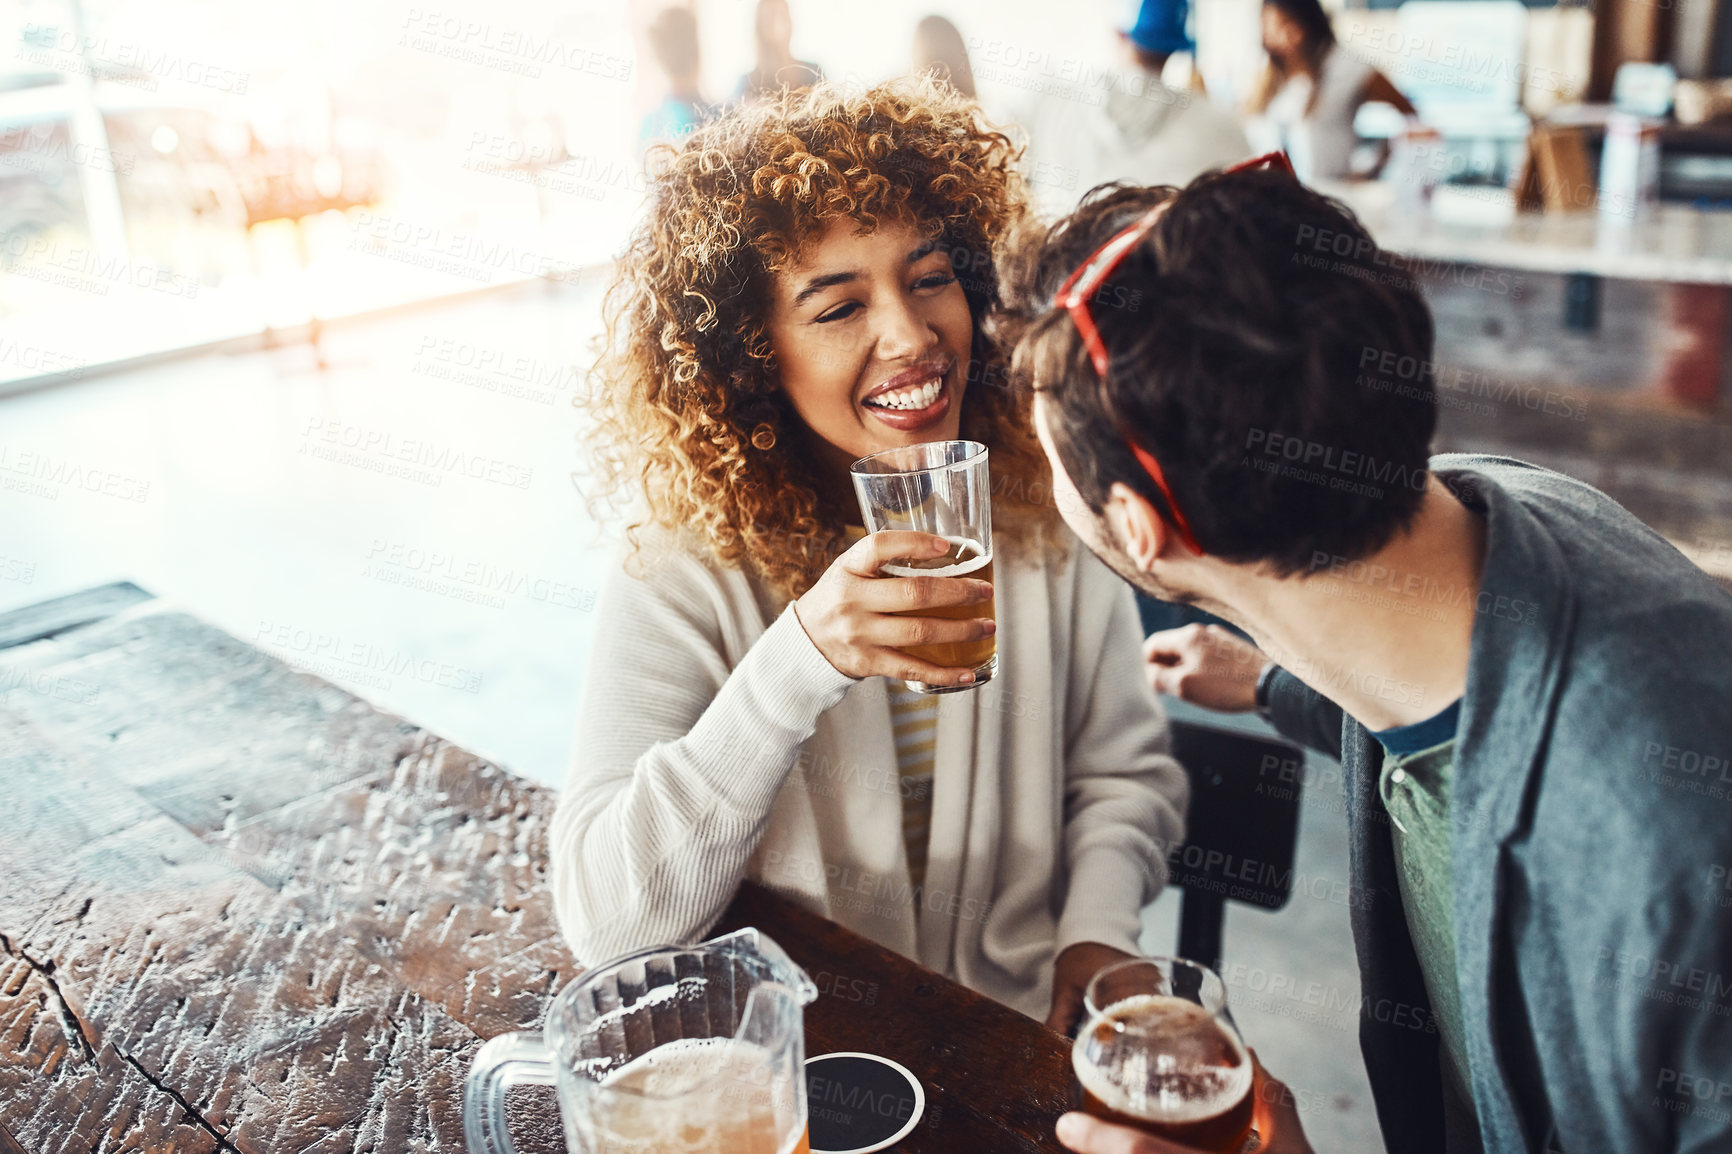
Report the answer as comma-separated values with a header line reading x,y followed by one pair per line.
x,y
1671,242
1684,253
245,910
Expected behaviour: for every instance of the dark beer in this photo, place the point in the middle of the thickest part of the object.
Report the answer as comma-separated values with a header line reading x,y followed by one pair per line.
x,y
965,559
1168,1067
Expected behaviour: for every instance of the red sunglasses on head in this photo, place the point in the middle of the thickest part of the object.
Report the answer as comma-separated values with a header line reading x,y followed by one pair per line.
x,y
1087,280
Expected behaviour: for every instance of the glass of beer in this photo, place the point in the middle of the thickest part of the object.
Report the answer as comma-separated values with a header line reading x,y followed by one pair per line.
x,y
938,487
672,1050
1158,1052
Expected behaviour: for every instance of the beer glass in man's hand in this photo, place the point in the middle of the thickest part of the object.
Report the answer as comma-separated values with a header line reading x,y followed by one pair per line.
x,y
1158,1053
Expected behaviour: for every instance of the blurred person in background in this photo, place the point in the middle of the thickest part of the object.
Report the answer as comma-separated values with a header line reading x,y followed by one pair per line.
x,y
811,301
1128,124
939,49
776,68
1312,90
673,40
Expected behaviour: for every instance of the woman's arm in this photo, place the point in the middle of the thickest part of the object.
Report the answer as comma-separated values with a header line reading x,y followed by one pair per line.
x,y
678,759
1383,90
1125,796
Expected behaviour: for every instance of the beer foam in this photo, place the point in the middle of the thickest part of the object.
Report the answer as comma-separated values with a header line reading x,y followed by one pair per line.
x,y
679,1066
699,1095
1138,1073
960,569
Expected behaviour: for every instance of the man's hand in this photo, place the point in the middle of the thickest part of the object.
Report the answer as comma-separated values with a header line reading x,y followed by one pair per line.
x,y
1274,1114
1070,977
1204,665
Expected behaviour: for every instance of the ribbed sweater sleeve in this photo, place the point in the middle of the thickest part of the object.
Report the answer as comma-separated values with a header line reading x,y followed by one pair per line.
x,y
678,759
1125,796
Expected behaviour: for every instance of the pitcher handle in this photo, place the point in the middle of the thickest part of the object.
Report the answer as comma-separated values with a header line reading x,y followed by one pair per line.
x,y
509,1060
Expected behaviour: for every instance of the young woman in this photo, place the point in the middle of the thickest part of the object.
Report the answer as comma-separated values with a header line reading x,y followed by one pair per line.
x,y
807,288
1312,90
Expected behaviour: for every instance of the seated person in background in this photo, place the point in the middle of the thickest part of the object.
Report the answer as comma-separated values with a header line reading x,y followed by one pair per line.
x,y
776,68
673,38
805,290
1524,684
1312,91
1125,124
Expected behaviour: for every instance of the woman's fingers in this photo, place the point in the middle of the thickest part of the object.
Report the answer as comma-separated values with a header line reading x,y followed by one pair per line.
x,y
917,632
865,622
913,594
871,553
896,664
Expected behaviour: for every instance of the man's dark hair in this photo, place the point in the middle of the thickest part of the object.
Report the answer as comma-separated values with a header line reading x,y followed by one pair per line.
x,y
1271,357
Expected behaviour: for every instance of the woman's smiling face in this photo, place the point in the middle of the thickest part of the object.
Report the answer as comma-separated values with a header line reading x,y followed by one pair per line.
x,y
872,334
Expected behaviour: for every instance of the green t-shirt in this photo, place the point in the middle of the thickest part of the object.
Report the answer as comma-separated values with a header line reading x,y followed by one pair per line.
x,y
1415,788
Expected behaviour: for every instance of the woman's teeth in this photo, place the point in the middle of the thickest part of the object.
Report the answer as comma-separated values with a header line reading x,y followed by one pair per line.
x,y
911,397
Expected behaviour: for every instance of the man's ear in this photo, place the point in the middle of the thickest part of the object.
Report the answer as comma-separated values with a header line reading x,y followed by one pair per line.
x,y
1139,530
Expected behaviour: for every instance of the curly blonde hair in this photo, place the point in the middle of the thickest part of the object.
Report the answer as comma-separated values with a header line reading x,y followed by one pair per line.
x,y
686,412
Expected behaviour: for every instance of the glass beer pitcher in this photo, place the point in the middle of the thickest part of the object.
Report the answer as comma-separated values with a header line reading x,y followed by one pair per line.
x,y
672,1050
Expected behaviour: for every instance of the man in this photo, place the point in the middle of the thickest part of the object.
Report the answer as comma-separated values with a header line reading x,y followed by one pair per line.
x,y
1529,691
1125,124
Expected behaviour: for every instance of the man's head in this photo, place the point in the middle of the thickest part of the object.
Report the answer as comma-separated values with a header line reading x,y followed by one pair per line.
x,y
1244,336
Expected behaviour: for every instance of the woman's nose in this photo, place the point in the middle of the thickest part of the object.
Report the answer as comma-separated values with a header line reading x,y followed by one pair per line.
x,y
903,331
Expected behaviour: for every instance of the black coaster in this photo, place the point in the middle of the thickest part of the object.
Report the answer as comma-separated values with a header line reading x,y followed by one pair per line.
x,y
858,1103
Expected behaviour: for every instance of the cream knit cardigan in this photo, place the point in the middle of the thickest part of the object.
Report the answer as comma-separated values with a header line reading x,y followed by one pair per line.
x,y
715,743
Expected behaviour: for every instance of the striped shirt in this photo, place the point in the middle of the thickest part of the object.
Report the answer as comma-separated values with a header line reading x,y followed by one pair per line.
x,y
914,722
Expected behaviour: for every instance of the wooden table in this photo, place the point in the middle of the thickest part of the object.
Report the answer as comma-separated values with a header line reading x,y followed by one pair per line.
x,y
243,910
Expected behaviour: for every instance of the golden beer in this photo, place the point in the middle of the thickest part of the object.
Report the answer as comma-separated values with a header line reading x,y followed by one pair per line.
x,y
1127,1072
965,559
698,1096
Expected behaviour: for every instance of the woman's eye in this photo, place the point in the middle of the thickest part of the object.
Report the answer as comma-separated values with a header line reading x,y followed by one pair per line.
x,y
935,280
840,312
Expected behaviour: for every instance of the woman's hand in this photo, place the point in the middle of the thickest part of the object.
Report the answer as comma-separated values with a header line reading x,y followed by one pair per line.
x,y
1204,665
851,614
1075,966
1275,1114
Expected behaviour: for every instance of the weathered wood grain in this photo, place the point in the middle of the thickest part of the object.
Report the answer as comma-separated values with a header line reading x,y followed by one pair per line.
x,y
54,1083
272,1028
406,842
257,972
9,1144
